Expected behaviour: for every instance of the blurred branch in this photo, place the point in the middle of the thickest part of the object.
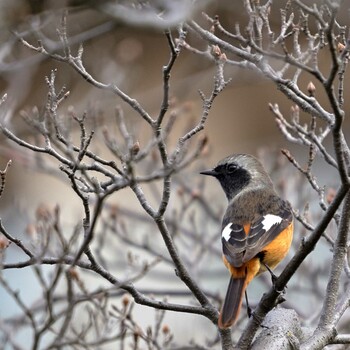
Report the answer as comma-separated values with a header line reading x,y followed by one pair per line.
x,y
3,177
159,14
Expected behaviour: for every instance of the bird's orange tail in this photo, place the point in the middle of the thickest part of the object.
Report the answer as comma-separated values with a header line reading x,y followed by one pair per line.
x,y
233,302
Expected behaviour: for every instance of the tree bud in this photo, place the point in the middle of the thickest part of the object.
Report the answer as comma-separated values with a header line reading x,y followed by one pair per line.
x,y
311,88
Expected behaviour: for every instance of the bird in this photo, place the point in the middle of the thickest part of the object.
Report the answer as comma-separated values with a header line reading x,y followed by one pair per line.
x,y
256,231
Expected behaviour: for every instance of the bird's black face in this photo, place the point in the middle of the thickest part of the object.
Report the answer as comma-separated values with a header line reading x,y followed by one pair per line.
x,y
232,177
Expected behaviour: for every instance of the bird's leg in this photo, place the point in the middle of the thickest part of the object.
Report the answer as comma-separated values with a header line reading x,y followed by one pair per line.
x,y
273,276
249,309
273,279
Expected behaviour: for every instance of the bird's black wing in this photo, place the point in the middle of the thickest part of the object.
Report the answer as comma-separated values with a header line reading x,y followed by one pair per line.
x,y
234,240
241,243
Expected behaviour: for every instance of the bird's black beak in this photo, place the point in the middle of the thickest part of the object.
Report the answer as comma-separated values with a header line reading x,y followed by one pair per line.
x,y
210,172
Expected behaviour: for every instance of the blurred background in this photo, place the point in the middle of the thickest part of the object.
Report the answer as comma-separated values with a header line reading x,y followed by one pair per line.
x,y
128,48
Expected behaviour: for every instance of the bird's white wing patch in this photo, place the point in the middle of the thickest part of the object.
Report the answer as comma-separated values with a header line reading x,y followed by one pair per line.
x,y
270,220
226,232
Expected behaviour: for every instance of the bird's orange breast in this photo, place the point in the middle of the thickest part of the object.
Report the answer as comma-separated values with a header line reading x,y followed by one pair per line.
x,y
276,251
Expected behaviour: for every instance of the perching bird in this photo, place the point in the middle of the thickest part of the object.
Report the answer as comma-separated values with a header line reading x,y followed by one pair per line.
x,y
257,228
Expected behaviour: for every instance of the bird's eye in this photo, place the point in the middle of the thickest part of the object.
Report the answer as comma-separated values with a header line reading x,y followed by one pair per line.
x,y
230,168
